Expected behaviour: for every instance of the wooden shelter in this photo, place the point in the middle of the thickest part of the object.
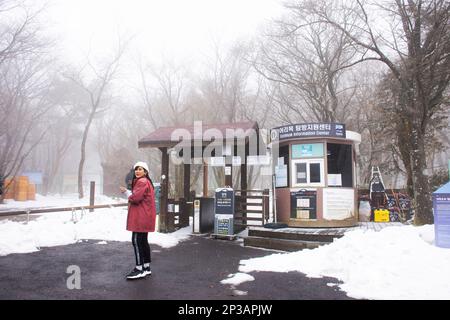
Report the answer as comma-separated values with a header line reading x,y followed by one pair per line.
x,y
221,141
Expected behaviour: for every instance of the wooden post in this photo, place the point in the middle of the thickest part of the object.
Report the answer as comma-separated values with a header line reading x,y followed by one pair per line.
x,y
92,196
205,179
266,206
229,175
244,185
163,215
187,181
244,176
185,211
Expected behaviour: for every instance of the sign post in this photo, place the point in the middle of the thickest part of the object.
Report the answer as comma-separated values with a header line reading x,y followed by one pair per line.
x,y
224,212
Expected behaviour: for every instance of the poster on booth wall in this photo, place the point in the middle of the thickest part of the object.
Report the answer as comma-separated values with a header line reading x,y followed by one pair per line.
x,y
304,204
338,204
281,176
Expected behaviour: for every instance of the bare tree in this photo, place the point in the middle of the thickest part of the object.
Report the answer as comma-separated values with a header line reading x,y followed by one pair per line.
x,y
23,85
164,93
307,63
417,54
62,125
96,90
225,87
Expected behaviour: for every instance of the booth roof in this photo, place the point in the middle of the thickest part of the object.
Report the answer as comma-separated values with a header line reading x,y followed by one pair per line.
x,y
162,137
444,189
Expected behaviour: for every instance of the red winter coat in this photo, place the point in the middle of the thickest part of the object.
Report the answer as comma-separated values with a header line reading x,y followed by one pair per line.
x,y
141,207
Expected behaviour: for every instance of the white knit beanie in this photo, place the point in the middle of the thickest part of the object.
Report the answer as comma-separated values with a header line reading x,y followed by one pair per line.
x,y
141,164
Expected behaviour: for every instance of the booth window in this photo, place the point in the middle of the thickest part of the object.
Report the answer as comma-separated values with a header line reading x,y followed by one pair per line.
x,y
281,168
308,172
339,157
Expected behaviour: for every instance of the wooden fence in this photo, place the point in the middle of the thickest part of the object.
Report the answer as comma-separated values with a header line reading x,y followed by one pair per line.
x,y
251,206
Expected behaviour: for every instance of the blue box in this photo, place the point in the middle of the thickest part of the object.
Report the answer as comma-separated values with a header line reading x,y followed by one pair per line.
x,y
441,212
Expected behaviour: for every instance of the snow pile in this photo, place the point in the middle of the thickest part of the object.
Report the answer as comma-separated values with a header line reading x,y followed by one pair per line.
x,y
394,263
62,228
237,278
56,201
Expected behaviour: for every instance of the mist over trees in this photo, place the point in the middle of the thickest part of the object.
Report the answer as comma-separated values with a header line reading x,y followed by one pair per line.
x,y
381,67
416,52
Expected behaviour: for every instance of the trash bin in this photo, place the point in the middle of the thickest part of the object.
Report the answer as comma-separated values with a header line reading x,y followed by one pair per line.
x,y
203,215
441,211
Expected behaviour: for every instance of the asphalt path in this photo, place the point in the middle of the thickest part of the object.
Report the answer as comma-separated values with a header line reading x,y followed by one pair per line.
x,y
192,270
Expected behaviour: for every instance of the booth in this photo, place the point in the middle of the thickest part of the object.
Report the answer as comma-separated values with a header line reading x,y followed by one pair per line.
x,y
225,145
315,174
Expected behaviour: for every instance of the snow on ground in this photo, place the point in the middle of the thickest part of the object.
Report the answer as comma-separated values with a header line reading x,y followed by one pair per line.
x,y
56,201
237,278
394,263
62,228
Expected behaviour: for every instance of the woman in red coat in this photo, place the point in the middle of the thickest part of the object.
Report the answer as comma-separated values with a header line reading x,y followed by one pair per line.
x,y
141,218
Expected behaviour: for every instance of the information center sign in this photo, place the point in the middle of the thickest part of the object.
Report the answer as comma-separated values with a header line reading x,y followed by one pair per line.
x,y
307,130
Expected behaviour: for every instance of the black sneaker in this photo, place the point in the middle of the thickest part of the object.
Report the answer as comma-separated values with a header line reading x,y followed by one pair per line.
x,y
147,271
136,274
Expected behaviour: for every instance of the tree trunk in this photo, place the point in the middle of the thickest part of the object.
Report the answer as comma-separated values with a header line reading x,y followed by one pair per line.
x,y
422,195
403,131
80,169
83,157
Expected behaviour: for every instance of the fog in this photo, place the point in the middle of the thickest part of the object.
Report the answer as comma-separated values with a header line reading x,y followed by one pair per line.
x,y
179,29
83,80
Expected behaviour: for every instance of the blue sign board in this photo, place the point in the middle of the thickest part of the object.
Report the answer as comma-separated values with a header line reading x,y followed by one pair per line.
x,y
441,211
223,225
307,150
33,177
306,130
224,201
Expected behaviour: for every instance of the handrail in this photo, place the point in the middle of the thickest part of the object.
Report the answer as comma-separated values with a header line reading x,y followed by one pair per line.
x,y
48,210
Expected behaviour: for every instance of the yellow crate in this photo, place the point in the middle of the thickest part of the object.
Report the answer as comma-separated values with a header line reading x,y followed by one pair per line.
x,y
381,215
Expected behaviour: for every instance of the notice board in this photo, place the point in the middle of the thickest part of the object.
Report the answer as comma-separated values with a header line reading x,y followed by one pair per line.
x,y
304,204
224,201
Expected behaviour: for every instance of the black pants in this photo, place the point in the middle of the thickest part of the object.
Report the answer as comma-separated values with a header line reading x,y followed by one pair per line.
x,y
141,247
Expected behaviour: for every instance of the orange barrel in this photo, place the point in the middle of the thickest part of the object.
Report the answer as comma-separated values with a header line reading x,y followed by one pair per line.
x,y
21,189
31,192
9,183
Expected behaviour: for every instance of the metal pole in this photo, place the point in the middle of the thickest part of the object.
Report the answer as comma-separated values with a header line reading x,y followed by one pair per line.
x,y
92,196
274,198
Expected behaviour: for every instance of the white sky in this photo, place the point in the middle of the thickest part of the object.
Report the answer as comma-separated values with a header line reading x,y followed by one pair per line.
x,y
177,28
398,262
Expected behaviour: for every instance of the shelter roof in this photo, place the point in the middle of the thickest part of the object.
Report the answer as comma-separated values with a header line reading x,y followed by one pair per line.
x,y
171,136
445,189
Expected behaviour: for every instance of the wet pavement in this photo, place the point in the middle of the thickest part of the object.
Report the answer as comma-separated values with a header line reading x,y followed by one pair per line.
x,y
192,270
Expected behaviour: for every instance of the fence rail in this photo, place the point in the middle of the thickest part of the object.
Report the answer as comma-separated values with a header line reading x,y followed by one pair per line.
x,y
48,210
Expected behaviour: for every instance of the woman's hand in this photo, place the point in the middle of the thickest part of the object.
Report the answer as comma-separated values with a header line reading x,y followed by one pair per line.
x,y
123,189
